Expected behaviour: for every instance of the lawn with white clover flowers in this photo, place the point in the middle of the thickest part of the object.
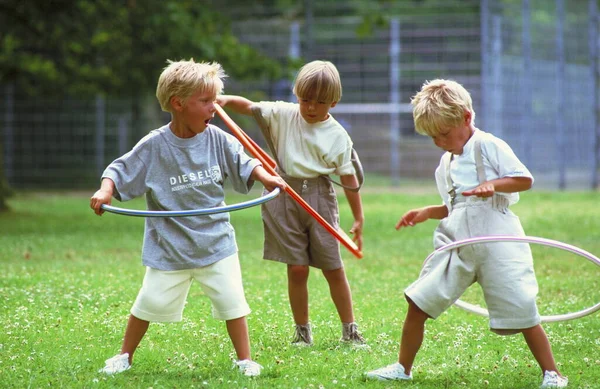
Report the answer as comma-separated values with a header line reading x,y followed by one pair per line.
x,y
68,279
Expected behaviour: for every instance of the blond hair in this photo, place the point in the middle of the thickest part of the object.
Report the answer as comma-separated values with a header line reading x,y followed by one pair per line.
x,y
318,80
440,104
184,78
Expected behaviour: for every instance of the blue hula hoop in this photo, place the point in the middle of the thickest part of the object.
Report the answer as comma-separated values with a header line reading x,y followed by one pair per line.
x,y
523,239
194,212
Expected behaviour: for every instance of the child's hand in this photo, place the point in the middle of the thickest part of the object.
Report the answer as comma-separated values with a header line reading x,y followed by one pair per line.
x,y
100,197
356,230
271,182
221,100
484,190
412,217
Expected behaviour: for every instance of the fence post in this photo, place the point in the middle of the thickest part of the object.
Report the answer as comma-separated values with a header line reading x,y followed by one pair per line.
x,y
497,99
484,31
594,43
123,135
560,92
526,110
294,49
308,28
100,131
395,101
9,116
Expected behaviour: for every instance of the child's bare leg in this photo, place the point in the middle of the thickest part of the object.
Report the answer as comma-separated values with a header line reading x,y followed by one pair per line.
x,y
540,348
238,333
340,293
136,329
412,335
298,292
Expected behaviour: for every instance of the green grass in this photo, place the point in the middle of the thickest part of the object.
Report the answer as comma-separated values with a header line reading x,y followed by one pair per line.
x,y
68,279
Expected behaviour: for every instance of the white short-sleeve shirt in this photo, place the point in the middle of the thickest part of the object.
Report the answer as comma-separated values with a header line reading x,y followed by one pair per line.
x,y
306,150
498,160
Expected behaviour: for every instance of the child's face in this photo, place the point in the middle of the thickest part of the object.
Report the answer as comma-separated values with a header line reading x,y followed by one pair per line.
x,y
314,111
453,139
197,112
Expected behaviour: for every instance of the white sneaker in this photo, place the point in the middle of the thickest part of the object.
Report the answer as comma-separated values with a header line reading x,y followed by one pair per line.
x,y
117,364
248,367
553,380
391,372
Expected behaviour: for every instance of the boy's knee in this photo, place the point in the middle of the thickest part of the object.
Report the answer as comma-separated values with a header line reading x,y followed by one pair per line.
x,y
335,274
298,272
415,311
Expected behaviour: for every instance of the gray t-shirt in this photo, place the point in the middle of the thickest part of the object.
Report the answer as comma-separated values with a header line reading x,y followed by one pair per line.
x,y
184,174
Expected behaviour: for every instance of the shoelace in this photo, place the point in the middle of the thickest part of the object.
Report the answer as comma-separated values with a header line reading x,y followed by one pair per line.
x,y
353,334
301,335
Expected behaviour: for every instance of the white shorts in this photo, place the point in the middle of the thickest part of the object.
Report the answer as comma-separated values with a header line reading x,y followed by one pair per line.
x,y
503,269
163,293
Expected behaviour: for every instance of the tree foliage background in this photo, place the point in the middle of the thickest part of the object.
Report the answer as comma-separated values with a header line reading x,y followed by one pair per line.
x,y
85,47
53,48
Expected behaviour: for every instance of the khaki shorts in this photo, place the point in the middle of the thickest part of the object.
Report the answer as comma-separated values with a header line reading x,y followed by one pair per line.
x,y
503,269
293,236
163,293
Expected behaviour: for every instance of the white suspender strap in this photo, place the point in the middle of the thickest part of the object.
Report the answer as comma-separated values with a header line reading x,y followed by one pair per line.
x,y
479,162
449,183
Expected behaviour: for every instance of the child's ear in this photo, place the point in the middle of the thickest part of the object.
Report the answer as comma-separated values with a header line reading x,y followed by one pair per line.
x,y
468,117
334,104
176,103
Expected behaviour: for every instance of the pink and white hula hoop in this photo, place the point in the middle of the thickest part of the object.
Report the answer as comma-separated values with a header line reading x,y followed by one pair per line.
x,y
523,239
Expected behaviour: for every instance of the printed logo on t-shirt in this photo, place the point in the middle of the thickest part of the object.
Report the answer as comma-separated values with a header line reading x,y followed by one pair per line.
x,y
215,173
197,178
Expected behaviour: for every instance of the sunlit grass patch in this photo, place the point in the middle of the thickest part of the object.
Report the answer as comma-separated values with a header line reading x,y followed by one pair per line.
x,y
69,278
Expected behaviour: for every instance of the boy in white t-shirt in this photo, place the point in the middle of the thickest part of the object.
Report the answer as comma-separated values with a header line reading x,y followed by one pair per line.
x,y
479,176
309,144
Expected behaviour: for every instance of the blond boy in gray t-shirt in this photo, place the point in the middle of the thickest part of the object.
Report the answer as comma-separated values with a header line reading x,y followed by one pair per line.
x,y
183,166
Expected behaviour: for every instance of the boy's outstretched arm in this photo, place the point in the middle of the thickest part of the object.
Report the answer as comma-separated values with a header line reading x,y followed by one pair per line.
x,y
355,203
237,103
419,215
504,184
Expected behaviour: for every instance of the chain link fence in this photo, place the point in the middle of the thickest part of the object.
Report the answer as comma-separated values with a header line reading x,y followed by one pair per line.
x,y
530,65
